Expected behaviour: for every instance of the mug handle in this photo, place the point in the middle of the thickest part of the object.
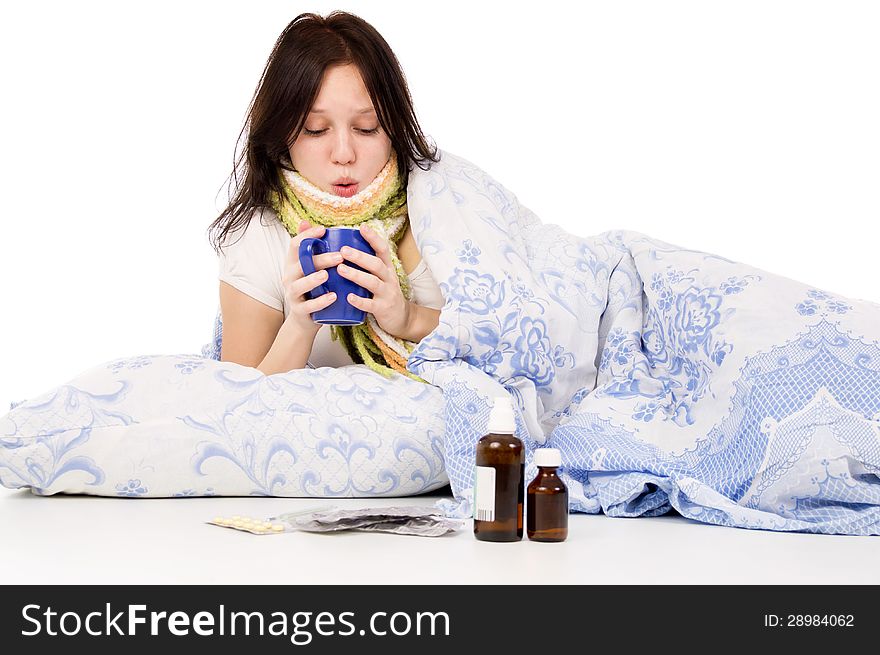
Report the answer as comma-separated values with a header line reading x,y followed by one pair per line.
x,y
306,252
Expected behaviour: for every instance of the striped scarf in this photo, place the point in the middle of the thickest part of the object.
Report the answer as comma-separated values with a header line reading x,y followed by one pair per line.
x,y
382,206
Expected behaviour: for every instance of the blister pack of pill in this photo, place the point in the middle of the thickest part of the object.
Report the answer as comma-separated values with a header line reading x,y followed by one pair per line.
x,y
419,521
248,524
271,525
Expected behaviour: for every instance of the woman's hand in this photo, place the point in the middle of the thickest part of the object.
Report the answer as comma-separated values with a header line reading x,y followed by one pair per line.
x,y
388,305
295,284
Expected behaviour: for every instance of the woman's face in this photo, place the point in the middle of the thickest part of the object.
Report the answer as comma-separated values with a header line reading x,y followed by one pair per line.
x,y
342,140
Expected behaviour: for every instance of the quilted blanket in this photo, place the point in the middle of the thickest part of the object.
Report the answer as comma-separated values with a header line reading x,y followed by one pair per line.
x,y
668,377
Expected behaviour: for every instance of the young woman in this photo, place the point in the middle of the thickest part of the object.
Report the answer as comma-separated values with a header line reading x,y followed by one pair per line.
x,y
331,138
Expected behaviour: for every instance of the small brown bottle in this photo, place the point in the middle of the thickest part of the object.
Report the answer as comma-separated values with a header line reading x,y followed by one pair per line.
x,y
547,507
500,478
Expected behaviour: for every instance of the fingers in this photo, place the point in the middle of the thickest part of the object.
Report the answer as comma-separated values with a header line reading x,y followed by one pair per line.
x,y
316,231
327,260
300,287
308,283
322,261
366,280
383,254
319,303
366,261
359,302
313,231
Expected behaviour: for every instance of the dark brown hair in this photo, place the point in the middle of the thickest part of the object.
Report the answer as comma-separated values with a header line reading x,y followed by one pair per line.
x,y
285,93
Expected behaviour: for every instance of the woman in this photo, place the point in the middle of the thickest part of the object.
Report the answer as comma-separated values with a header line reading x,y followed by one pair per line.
x,y
331,137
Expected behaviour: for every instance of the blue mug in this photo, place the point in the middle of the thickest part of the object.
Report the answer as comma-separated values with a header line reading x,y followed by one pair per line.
x,y
341,312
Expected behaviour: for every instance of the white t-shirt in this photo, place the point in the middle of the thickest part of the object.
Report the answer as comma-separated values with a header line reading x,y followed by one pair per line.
x,y
253,263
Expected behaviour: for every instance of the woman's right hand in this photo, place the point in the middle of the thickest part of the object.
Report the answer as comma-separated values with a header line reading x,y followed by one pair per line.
x,y
296,284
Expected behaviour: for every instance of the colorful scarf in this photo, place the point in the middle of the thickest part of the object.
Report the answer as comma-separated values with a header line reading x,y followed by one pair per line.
x,y
382,206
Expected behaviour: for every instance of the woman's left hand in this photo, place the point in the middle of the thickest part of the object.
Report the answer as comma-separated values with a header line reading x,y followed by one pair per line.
x,y
388,304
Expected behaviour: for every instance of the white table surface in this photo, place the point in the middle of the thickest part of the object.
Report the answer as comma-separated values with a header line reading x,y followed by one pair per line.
x,y
92,540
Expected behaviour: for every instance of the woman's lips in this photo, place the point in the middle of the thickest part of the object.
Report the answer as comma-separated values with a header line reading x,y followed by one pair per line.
x,y
346,191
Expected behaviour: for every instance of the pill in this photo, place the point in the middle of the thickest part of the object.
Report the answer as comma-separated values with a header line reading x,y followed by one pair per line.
x,y
277,527
236,518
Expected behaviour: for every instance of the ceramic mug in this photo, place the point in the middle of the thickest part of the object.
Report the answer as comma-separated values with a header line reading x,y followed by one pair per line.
x,y
340,312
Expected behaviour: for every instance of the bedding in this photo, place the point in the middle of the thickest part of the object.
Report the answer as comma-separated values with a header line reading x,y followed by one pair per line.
x,y
669,378
185,425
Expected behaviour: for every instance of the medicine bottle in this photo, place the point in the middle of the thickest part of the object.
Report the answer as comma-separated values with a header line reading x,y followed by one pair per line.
x,y
500,478
547,504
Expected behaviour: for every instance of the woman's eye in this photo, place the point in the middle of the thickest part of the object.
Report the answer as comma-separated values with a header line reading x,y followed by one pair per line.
x,y
375,130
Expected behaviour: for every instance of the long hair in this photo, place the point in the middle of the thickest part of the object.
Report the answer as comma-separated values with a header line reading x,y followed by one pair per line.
x,y
285,93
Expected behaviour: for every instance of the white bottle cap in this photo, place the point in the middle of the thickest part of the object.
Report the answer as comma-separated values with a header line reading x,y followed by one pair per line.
x,y
501,419
547,457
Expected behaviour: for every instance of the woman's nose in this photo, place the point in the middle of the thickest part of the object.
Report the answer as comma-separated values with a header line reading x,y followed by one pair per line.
x,y
343,149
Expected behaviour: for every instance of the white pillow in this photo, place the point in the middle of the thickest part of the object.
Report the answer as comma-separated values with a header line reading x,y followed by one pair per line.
x,y
185,425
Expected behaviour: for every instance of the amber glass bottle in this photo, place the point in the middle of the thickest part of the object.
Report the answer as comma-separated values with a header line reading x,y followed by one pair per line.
x,y
500,478
547,505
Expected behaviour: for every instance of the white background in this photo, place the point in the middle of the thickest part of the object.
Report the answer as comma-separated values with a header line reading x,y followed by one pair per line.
x,y
745,129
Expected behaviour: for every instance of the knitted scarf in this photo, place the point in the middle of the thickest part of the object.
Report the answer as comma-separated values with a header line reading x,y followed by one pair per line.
x,y
382,206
